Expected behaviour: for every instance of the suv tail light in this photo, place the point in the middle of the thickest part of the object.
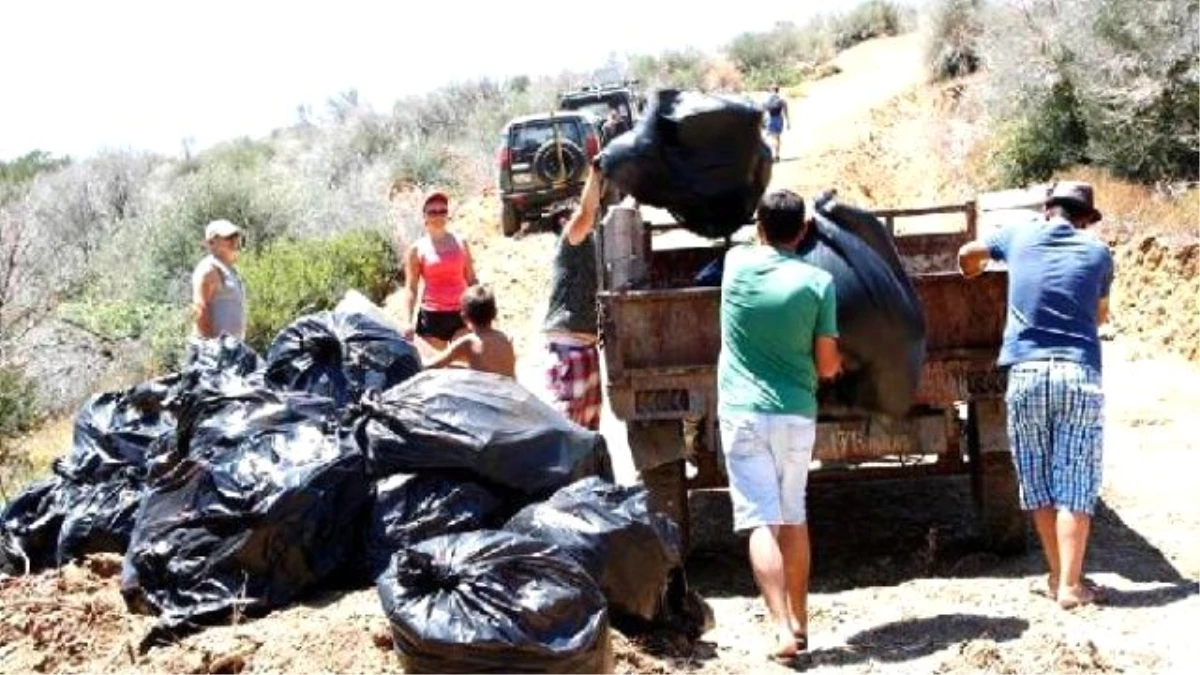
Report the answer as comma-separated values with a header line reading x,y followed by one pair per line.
x,y
503,157
592,145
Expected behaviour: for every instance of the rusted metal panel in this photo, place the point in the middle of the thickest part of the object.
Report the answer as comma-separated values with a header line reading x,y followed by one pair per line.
x,y
859,440
659,328
961,313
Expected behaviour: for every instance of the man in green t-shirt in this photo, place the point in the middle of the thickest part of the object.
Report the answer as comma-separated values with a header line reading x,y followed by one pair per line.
x,y
778,336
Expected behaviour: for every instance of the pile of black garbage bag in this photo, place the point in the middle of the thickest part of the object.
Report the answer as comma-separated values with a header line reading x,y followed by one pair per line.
x,y
242,484
699,156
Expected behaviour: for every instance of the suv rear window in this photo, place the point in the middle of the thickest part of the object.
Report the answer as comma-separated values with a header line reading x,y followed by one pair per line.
x,y
527,138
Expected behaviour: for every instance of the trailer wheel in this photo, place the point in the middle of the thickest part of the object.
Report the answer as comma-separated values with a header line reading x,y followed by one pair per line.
x,y
1002,525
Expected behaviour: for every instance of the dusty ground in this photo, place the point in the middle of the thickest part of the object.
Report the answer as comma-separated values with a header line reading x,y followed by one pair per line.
x,y
899,586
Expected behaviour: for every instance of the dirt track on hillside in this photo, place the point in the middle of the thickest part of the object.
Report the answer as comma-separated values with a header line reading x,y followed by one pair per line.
x,y
900,582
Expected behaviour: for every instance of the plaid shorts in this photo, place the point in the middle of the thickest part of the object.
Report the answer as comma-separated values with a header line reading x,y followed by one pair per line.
x,y
1056,429
573,379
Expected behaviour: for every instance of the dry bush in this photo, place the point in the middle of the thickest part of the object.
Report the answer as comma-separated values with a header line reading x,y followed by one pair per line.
x,y
723,76
951,32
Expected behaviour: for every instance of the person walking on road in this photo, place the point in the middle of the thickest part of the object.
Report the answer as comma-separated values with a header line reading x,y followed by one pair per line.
x,y
777,117
439,265
571,323
218,294
778,337
1058,283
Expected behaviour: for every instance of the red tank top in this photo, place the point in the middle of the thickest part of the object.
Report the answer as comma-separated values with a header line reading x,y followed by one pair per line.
x,y
444,270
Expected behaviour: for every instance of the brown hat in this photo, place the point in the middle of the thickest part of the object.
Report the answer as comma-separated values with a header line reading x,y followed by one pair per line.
x,y
1076,193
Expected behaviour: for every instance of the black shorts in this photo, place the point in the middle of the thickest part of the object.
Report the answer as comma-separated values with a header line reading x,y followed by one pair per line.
x,y
440,325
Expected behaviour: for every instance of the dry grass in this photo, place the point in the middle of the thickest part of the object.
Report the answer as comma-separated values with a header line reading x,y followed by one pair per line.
x,y
1133,208
37,450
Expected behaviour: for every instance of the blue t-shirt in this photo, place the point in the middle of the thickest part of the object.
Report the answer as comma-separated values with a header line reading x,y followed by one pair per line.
x,y
1057,276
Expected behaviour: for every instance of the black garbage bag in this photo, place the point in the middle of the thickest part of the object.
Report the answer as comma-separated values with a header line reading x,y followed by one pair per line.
x,y
880,321
264,505
700,156
610,531
864,225
30,524
114,431
494,602
100,517
410,508
225,354
479,422
340,355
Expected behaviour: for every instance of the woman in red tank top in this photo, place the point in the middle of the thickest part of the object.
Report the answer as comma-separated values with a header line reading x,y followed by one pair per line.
x,y
440,264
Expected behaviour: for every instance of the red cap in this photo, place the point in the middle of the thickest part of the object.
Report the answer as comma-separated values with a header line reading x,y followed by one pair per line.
x,y
436,196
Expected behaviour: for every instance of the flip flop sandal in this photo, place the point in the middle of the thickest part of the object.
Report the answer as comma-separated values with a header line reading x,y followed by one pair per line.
x,y
786,655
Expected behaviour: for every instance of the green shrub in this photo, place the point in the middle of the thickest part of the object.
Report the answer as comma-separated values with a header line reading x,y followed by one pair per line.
x,y
870,19
1053,136
682,69
1135,85
18,402
254,201
162,328
290,278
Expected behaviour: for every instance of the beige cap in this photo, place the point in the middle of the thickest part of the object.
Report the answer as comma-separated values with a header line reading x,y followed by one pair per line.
x,y
220,228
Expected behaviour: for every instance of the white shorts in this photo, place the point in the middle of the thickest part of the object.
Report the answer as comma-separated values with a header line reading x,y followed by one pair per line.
x,y
767,457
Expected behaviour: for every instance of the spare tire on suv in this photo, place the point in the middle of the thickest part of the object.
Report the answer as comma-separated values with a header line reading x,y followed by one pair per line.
x,y
546,161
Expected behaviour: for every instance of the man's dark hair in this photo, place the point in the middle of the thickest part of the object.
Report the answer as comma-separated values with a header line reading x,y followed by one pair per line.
x,y
781,214
479,306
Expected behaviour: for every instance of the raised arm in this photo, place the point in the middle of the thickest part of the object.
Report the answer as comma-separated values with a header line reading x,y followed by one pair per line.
x,y
583,219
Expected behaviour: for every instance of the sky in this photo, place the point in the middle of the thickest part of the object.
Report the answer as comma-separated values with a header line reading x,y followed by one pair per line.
x,y
80,77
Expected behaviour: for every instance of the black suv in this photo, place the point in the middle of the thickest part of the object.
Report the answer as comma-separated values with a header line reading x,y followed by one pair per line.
x,y
599,99
543,160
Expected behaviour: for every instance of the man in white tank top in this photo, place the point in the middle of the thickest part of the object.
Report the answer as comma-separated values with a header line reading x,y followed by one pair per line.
x,y
218,296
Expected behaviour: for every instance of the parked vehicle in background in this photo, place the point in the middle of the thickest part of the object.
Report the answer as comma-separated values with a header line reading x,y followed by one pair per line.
x,y
599,99
542,161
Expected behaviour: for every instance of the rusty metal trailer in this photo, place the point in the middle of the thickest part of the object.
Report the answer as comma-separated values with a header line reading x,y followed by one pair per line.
x,y
661,337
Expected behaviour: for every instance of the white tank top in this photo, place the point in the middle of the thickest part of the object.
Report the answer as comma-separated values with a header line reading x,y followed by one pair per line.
x,y
227,306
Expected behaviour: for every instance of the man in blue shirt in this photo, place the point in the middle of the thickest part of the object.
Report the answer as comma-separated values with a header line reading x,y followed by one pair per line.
x,y
1058,283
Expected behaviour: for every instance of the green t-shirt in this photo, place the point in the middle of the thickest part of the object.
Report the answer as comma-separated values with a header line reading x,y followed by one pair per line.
x,y
773,306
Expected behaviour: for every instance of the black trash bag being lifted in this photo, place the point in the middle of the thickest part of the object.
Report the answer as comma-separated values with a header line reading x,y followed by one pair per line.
x,y
262,505
479,422
610,531
700,156
410,508
494,602
339,355
881,323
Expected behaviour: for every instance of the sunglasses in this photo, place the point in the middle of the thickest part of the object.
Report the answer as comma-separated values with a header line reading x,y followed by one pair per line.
x,y
436,212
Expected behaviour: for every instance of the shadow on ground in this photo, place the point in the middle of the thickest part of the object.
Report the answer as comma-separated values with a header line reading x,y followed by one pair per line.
x,y
887,533
914,638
